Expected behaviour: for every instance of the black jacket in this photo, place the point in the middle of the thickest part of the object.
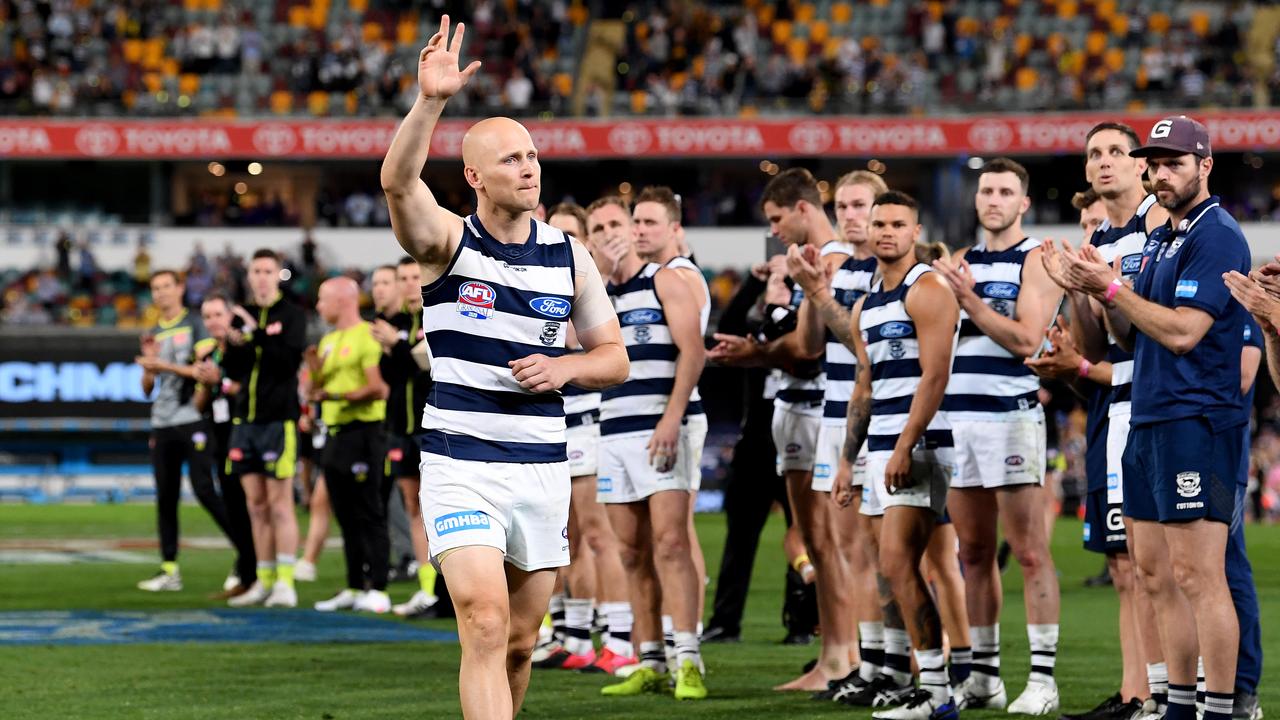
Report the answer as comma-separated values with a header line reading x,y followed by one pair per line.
x,y
266,365
408,383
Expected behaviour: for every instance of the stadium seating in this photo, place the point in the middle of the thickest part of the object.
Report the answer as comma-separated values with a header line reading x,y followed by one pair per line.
x,y
356,57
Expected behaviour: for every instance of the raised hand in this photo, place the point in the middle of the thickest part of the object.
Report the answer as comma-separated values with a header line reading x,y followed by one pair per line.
x,y
806,267
438,75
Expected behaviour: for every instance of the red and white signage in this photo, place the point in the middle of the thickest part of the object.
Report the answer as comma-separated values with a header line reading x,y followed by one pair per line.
x,y
624,138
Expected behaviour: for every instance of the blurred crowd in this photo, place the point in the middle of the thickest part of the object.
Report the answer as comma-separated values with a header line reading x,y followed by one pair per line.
x,y
236,57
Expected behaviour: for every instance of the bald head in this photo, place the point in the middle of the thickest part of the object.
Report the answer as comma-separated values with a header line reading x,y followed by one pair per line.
x,y
339,300
501,164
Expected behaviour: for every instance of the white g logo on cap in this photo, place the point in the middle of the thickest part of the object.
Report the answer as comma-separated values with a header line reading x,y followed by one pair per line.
x,y
1161,129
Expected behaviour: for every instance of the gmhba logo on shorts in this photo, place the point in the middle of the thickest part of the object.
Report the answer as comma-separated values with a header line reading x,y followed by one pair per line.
x,y
459,521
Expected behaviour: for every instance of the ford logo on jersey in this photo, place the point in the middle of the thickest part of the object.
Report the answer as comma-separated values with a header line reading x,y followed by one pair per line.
x,y
550,306
475,300
643,316
1000,290
459,521
1131,264
895,330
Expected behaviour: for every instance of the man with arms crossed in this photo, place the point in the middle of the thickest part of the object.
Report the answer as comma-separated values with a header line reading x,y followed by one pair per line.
x,y
1185,443
500,290
644,480
1006,301
904,336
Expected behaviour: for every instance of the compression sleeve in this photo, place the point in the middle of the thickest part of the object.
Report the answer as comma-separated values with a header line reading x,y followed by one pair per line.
x,y
591,304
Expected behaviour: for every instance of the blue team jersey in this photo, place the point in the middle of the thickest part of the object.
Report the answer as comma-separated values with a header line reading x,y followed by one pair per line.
x,y
1183,267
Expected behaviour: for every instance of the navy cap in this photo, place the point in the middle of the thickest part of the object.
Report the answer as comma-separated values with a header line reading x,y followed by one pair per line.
x,y
1176,136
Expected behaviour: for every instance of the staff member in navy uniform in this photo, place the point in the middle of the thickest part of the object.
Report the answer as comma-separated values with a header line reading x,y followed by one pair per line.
x,y
1184,450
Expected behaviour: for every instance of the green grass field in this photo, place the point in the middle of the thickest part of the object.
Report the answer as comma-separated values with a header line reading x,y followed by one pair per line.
x,y
402,680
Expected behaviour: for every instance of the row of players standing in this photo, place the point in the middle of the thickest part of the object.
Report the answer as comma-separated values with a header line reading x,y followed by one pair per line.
x,y
949,419
228,405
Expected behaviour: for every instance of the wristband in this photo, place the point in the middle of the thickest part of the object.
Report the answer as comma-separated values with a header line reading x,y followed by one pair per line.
x,y
801,560
1112,290
1084,368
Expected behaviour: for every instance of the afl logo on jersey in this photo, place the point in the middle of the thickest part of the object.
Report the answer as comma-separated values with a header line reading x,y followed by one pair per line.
x,y
1000,290
895,330
550,306
475,300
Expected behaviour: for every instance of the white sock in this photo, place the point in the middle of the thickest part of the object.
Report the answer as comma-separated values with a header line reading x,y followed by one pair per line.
x,y
933,673
620,619
1158,681
652,657
897,656
871,645
985,640
1044,651
669,640
687,648
577,626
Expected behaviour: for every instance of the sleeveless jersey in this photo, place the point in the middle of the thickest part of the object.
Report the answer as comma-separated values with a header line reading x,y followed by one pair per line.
x,y
637,404
839,364
496,303
893,348
1125,243
797,394
987,381
695,399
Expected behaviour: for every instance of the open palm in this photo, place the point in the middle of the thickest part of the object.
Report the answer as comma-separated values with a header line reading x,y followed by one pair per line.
x,y
438,73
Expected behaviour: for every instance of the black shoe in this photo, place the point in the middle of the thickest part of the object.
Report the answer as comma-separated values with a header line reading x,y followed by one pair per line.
x,y
865,695
1103,709
798,638
1246,707
834,686
852,684
720,634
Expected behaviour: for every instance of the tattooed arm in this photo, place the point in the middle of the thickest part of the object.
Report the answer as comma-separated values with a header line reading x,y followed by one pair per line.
x,y
858,418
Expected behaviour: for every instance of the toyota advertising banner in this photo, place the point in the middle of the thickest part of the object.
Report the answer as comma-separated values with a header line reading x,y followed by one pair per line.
x,y
1040,134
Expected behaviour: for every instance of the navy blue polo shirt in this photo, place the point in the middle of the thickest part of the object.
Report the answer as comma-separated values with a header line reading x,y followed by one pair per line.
x,y
1183,267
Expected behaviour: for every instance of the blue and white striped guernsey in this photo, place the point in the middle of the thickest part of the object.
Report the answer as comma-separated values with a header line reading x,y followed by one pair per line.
x,y
496,303
987,381
1125,243
679,261
893,348
797,394
850,282
637,404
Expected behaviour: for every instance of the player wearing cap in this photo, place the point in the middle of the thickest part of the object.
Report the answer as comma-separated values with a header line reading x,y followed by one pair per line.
x,y
1185,443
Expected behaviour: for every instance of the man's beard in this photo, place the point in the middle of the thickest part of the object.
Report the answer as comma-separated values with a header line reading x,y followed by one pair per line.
x,y
1179,201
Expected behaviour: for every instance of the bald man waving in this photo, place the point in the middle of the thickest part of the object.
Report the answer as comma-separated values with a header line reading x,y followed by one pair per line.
x,y
500,290
347,383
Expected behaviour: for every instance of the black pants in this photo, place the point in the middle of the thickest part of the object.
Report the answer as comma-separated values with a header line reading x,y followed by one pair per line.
x,y
237,508
752,489
170,447
353,464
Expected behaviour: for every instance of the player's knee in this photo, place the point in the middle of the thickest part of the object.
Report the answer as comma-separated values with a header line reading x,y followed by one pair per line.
x,y
484,624
896,562
1032,558
974,554
671,545
1122,574
1196,578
